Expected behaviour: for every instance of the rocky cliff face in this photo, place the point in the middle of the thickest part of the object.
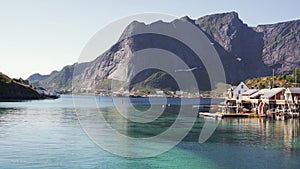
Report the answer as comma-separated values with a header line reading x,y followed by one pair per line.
x,y
121,62
258,50
244,51
281,50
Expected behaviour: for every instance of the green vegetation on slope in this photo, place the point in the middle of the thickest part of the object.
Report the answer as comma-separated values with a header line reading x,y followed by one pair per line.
x,y
279,81
158,80
57,79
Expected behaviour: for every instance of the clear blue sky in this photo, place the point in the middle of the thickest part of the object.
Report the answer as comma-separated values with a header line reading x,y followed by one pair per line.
x,y
45,35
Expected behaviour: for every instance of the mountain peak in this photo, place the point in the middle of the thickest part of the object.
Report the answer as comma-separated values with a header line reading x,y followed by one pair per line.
x,y
238,45
131,28
186,18
232,14
229,17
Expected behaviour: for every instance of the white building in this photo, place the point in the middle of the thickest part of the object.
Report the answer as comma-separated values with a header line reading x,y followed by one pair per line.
x,y
159,92
179,92
235,92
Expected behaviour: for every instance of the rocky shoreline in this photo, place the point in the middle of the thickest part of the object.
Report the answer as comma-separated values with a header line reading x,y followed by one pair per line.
x,y
18,90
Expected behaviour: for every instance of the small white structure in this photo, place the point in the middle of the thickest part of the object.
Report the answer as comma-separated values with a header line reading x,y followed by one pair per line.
x,y
235,92
179,92
159,92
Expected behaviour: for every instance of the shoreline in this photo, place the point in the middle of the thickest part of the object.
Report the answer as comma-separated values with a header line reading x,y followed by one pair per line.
x,y
145,96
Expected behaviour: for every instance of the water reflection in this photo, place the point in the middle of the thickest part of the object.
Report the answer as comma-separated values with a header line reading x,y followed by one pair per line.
x,y
289,130
135,129
269,134
46,134
10,116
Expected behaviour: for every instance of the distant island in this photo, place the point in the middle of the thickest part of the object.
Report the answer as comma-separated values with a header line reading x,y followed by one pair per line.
x,y
19,89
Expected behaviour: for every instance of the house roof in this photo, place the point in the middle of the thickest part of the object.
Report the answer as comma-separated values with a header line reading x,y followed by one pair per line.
x,y
295,90
267,93
250,92
272,92
260,92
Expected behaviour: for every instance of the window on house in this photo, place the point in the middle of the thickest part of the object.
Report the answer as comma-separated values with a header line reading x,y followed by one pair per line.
x,y
242,86
239,92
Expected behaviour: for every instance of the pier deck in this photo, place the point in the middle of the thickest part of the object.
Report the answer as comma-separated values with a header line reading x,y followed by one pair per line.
x,y
243,115
231,115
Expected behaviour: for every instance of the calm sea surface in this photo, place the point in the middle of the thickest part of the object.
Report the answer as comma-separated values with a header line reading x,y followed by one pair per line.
x,y
47,134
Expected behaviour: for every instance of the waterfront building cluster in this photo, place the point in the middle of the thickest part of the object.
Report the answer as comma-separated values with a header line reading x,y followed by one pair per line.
x,y
276,102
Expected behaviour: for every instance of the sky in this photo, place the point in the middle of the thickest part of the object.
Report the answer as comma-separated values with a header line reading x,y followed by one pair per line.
x,y
39,36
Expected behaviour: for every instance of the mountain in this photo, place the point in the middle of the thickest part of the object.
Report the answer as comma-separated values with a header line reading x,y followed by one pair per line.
x,y
245,52
38,77
281,50
12,89
56,80
122,62
258,49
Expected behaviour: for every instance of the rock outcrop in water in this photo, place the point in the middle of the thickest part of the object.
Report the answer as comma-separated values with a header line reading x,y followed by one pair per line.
x,y
245,52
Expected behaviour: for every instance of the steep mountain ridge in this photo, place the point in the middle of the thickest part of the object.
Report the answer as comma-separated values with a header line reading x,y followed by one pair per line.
x,y
281,49
245,52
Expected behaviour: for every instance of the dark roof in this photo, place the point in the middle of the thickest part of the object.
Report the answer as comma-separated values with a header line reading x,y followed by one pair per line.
x,y
267,93
295,90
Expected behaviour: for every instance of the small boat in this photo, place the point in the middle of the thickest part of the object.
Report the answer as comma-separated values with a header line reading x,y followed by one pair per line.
x,y
54,96
51,95
135,96
212,115
47,94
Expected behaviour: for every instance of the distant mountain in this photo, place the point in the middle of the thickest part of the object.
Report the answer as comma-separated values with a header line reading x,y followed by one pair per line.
x,y
11,89
245,52
56,80
38,77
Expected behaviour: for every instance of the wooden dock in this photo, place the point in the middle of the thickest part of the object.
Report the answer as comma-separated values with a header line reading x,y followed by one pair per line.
x,y
231,115
243,115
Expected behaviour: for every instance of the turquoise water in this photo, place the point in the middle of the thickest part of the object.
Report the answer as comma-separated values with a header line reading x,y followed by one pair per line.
x,y
47,134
